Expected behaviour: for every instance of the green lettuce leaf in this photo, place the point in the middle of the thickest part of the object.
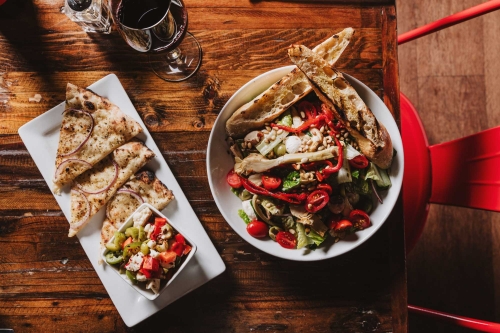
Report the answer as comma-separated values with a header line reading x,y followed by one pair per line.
x,y
302,239
291,181
244,216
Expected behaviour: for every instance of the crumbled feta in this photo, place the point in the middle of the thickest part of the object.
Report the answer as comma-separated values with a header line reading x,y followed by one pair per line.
x,y
140,218
141,277
151,244
134,264
154,253
292,144
248,209
147,227
154,285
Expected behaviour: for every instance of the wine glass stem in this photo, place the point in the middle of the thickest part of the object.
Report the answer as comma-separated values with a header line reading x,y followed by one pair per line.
x,y
174,54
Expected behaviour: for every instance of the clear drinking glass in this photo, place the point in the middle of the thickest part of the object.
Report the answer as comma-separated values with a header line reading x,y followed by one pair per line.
x,y
159,28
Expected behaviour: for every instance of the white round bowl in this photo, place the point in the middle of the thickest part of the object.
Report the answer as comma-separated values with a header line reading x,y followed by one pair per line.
x,y
219,162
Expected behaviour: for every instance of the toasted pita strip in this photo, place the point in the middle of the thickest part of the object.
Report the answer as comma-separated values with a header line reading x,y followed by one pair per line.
x,y
291,88
335,91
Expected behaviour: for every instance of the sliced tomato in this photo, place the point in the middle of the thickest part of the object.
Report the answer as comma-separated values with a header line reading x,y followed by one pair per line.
x,y
359,162
167,257
270,182
257,229
342,225
180,239
233,179
360,219
308,108
127,242
316,200
178,248
286,240
325,187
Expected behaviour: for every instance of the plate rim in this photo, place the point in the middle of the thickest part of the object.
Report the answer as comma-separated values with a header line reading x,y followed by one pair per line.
x,y
399,156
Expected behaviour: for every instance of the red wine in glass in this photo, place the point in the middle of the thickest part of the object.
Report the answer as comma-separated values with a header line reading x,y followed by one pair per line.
x,y
159,27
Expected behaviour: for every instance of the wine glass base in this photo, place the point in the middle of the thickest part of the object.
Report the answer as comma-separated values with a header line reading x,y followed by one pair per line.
x,y
178,64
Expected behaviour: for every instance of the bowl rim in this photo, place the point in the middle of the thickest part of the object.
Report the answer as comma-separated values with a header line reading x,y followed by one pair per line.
x,y
149,294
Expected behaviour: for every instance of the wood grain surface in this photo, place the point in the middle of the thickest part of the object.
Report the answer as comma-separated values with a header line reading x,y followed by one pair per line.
x,y
46,282
455,266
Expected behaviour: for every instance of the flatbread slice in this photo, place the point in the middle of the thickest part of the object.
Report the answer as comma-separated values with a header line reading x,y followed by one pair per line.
x,y
348,107
92,127
142,187
291,88
94,188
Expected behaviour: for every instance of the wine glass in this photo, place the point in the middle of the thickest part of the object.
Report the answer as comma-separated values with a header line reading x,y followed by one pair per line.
x,y
159,27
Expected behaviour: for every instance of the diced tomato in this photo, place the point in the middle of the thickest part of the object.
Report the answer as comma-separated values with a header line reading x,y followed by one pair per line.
x,y
187,249
178,248
167,257
359,162
180,239
151,264
233,179
270,182
159,223
127,242
147,273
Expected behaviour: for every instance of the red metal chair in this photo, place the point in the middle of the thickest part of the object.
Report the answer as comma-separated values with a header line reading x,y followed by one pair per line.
x,y
463,172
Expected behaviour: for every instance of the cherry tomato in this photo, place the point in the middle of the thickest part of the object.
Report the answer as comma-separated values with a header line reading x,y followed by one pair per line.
x,y
286,240
342,225
325,187
270,182
257,229
309,109
233,179
360,219
333,220
316,200
359,162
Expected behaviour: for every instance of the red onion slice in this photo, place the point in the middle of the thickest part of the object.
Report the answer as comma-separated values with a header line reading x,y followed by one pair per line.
x,y
136,195
88,135
104,188
74,226
61,166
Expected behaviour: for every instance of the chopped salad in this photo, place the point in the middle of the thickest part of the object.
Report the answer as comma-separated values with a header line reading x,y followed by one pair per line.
x,y
302,178
149,252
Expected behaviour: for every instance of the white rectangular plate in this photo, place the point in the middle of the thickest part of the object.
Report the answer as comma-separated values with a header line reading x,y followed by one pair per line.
x,y
41,137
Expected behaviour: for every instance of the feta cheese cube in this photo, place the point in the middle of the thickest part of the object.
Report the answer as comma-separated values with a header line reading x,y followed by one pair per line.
x,y
154,285
151,244
140,218
134,264
154,253
140,277
147,227
248,209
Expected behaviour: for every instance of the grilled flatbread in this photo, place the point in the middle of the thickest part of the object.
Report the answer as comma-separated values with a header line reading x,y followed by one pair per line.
x,y
94,188
92,127
291,88
336,92
142,187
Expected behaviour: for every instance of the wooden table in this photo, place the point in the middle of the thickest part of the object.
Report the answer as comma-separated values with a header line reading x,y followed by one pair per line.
x,y
46,281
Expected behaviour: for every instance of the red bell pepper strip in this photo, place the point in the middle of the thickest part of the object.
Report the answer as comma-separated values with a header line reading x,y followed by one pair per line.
x,y
316,121
309,109
327,112
288,197
159,223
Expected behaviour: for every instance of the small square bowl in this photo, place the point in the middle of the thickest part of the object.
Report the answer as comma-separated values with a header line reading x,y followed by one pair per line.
x,y
141,287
